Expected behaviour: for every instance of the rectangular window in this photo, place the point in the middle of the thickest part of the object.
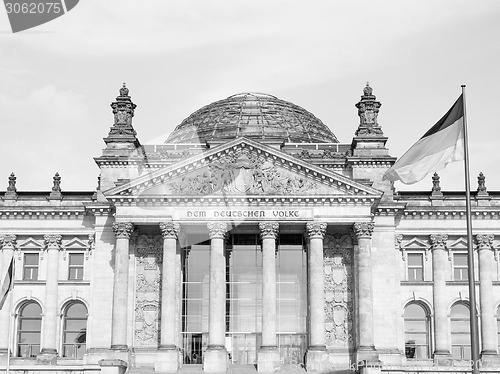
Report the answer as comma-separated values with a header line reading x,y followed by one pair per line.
x,y
75,266
415,266
460,266
30,270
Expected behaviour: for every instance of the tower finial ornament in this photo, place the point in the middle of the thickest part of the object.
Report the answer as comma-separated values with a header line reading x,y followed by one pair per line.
x,y
368,109
124,90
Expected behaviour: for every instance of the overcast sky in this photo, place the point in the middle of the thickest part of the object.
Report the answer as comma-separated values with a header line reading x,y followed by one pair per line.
x,y
57,80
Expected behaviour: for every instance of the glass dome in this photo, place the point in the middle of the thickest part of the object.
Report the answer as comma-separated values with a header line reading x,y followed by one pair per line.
x,y
252,115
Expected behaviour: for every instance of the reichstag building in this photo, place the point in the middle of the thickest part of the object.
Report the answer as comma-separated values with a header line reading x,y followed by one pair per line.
x,y
251,236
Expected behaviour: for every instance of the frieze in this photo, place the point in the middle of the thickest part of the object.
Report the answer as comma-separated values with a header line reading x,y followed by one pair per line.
x,y
339,306
148,287
242,172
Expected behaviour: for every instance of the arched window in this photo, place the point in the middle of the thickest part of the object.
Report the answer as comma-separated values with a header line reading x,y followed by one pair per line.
x,y
29,330
416,325
74,330
460,332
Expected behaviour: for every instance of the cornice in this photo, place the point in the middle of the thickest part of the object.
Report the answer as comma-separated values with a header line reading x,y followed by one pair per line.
x,y
357,161
100,209
449,213
15,212
389,210
246,200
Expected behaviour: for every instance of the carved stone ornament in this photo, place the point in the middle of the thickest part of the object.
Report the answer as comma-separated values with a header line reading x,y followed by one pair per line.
x,y
481,185
436,188
242,172
52,241
8,242
147,290
11,193
90,245
368,109
438,241
269,229
217,229
123,229
363,229
398,243
170,229
485,241
339,291
316,229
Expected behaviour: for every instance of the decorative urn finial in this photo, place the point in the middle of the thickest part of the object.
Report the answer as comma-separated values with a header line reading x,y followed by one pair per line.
x,y
11,193
56,194
481,185
123,111
436,188
367,90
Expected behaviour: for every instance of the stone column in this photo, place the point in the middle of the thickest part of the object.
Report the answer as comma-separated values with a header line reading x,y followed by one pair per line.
x,y
7,244
487,298
268,359
51,310
316,352
168,355
216,359
122,230
439,266
366,351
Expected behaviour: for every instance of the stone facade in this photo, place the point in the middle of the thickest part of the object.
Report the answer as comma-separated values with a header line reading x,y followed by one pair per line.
x,y
101,277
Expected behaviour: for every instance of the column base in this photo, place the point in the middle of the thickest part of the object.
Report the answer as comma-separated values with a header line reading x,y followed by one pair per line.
x,y
490,359
367,355
317,358
112,366
215,359
167,360
47,356
373,367
442,358
268,360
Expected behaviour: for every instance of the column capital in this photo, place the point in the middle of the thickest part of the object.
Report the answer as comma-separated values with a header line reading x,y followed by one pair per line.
x,y
316,229
52,241
363,229
8,242
485,241
269,230
217,229
170,229
438,241
123,229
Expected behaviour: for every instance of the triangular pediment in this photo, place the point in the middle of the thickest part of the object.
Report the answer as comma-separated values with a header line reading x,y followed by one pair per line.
x,y
242,167
416,243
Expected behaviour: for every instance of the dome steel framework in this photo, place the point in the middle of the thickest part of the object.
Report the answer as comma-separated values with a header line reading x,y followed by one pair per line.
x,y
252,115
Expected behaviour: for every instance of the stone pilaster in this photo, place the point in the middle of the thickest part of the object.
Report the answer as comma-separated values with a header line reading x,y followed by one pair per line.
x,y
316,352
365,351
216,358
439,266
51,316
8,244
168,357
489,337
268,355
122,230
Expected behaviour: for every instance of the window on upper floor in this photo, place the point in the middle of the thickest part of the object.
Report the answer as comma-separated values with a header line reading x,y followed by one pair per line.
x,y
416,330
75,266
30,268
460,266
498,327
415,266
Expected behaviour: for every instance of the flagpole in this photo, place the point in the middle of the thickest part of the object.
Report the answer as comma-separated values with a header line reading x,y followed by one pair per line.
x,y
474,335
9,340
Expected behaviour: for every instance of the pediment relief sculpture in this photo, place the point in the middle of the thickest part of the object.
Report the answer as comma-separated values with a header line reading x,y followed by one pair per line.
x,y
242,173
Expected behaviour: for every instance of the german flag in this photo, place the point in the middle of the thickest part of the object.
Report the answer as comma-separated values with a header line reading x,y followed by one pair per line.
x,y
442,144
